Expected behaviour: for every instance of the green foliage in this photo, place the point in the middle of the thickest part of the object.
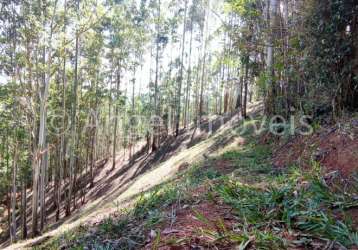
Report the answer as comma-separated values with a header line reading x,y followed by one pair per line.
x,y
306,208
330,42
197,174
246,8
161,196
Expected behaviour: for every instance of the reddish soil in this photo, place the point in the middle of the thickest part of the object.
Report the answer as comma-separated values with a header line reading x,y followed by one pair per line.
x,y
350,214
353,214
224,166
184,166
187,231
334,149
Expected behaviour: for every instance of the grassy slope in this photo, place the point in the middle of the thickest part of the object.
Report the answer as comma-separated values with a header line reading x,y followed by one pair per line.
x,y
268,209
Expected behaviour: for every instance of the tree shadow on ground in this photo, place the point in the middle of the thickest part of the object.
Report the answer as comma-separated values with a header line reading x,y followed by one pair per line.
x,y
110,184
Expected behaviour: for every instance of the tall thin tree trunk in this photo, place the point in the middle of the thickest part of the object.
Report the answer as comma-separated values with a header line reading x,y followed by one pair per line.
x,y
188,84
92,157
73,122
44,172
132,132
62,163
272,13
244,108
155,143
110,103
181,72
206,24
35,184
116,116
43,147
239,84
23,208
13,196
8,187
42,167
285,59
94,134
39,168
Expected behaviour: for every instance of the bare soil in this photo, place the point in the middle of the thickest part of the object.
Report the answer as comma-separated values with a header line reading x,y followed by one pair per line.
x,y
335,149
187,231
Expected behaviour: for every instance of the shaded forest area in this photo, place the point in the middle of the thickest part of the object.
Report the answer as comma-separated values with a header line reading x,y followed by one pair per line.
x,y
84,80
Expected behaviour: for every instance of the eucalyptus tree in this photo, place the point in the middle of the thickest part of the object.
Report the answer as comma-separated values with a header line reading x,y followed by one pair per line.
x,y
189,69
9,36
180,79
248,29
160,41
63,142
120,41
204,58
138,39
272,20
92,50
73,136
195,24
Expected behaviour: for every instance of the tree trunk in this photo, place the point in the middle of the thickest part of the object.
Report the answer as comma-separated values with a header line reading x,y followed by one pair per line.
x,y
181,73
73,123
8,187
42,163
13,196
188,84
244,108
35,184
132,127
23,208
93,134
62,163
43,174
206,27
43,147
272,15
155,143
116,116
110,103
238,98
39,168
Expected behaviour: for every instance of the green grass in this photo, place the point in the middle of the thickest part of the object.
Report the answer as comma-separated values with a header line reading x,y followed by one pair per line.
x,y
252,158
302,202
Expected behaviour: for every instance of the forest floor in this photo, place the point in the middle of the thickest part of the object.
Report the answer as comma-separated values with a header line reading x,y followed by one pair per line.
x,y
225,191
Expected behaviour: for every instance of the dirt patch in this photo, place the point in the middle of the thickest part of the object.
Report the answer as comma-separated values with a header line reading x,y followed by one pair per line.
x,y
341,153
353,214
191,227
224,166
349,214
335,149
184,166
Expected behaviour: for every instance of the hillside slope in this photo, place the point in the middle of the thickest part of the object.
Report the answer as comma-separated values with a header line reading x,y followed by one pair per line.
x,y
115,189
219,191
233,199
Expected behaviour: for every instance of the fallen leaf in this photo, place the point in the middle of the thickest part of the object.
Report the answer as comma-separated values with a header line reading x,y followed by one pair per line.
x,y
170,231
